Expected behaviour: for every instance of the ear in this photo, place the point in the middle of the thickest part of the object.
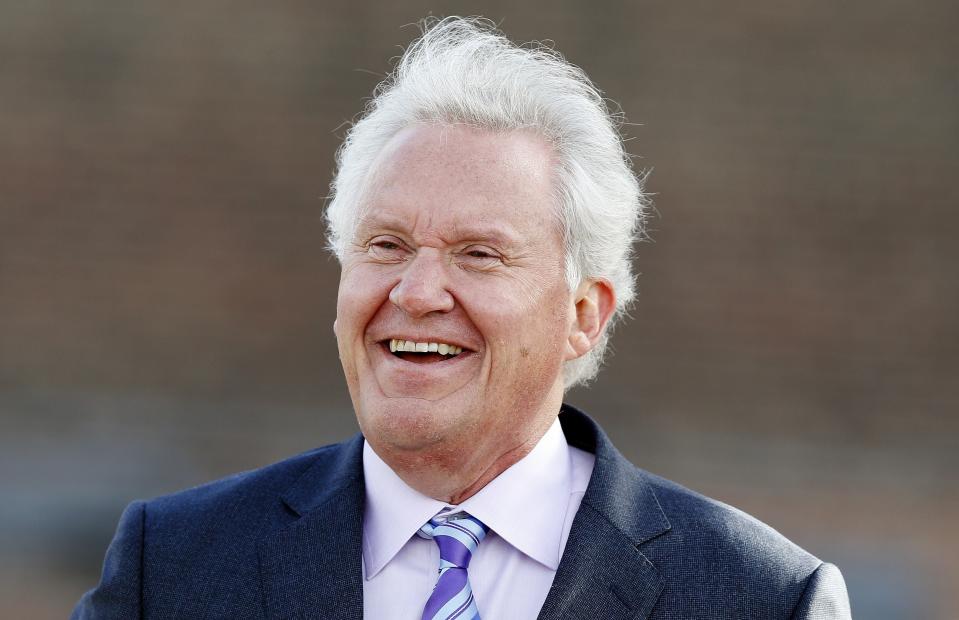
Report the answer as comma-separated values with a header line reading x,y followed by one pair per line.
x,y
593,305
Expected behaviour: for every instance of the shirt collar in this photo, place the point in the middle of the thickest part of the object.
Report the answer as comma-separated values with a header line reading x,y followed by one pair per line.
x,y
526,505
394,512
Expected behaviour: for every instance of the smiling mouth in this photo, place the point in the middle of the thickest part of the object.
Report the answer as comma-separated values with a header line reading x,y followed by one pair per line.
x,y
422,352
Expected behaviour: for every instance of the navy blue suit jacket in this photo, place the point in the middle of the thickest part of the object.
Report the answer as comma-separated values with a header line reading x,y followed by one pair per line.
x,y
284,542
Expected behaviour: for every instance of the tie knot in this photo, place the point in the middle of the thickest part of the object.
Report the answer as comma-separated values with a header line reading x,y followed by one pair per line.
x,y
457,537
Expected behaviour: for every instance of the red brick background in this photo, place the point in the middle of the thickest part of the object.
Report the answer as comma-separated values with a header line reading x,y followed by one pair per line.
x,y
166,302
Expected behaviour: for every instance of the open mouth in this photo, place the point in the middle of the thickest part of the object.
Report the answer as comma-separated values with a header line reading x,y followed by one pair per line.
x,y
423,352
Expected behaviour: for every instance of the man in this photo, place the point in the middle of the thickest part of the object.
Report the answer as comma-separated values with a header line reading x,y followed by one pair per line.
x,y
483,214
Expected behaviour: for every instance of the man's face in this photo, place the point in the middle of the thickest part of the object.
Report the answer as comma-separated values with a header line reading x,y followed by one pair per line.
x,y
456,246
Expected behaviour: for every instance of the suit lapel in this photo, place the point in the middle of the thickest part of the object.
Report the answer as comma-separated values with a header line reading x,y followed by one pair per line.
x,y
603,573
311,567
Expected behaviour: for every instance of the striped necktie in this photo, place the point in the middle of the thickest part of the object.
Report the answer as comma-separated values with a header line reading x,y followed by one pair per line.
x,y
457,537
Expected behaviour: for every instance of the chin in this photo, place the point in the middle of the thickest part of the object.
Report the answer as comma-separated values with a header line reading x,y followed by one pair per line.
x,y
408,424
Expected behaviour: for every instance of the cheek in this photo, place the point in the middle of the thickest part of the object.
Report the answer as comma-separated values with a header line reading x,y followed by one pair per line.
x,y
356,304
528,338
352,316
361,293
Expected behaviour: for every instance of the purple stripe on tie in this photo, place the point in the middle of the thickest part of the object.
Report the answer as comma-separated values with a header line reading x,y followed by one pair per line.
x,y
453,551
449,585
463,607
453,585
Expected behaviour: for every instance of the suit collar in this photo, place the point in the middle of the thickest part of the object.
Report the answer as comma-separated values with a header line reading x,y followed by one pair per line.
x,y
617,489
311,567
603,572
336,468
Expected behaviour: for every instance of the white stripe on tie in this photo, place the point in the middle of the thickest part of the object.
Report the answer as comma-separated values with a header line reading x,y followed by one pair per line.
x,y
457,538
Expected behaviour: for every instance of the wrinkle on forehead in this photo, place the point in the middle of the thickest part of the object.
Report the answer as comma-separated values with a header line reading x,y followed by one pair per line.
x,y
458,161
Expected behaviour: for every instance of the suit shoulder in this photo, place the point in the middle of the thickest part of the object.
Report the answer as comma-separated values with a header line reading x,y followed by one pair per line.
x,y
708,520
719,548
205,539
240,490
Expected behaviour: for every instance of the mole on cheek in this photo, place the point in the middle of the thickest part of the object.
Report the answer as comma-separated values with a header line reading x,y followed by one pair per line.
x,y
524,352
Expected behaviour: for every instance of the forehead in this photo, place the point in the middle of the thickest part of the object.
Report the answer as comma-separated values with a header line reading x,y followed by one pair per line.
x,y
463,180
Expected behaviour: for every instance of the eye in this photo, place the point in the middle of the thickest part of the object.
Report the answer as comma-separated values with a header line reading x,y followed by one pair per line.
x,y
480,256
387,247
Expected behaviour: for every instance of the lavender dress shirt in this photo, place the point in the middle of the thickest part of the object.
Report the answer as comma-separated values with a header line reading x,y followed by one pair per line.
x,y
529,509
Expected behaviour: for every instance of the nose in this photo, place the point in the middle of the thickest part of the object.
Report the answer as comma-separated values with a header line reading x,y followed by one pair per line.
x,y
423,287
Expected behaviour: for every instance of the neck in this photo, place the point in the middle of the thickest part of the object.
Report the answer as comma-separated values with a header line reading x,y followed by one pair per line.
x,y
443,473
504,462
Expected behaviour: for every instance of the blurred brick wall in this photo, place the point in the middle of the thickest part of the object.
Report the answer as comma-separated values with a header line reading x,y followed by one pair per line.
x,y
166,302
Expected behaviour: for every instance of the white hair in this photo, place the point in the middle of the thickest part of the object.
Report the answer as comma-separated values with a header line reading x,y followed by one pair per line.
x,y
463,71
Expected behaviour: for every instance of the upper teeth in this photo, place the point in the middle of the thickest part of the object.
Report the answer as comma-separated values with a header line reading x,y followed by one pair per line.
x,y
410,346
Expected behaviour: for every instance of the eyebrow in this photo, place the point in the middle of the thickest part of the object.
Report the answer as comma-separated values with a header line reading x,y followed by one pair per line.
x,y
500,234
